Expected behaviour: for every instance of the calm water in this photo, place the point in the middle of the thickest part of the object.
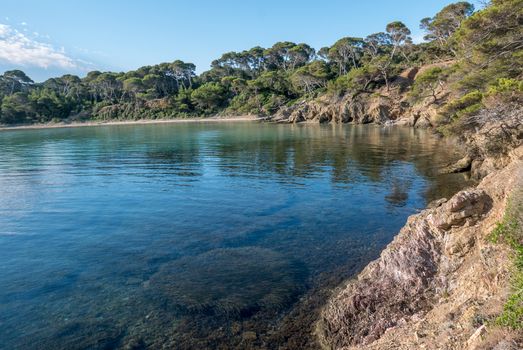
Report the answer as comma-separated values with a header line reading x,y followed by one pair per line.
x,y
194,235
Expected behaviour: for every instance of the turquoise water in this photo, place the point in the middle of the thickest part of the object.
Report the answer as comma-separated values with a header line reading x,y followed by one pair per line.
x,y
195,235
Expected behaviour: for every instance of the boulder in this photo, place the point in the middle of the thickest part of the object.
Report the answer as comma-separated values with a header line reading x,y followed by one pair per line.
x,y
423,123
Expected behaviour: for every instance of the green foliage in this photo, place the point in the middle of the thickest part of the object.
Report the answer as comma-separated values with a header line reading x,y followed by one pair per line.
x,y
506,86
182,103
485,45
209,97
490,42
48,104
398,31
445,23
428,82
510,231
15,109
346,53
311,77
463,106
359,79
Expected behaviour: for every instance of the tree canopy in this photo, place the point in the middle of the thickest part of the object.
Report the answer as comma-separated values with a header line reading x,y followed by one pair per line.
x,y
262,80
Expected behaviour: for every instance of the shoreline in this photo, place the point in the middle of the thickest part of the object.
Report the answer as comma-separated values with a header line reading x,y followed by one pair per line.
x,y
436,225
244,118
453,236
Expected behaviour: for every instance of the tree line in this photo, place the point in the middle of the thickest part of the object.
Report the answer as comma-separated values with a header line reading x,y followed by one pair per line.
x,y
255,81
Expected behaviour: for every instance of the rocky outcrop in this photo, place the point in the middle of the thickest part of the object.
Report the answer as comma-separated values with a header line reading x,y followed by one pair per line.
x,y
493,137
384,106
435,284
440,279
363,108
462,165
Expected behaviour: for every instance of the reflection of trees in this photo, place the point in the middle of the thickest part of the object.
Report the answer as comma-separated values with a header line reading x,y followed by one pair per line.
x,y
128,149
180,161
398,194
150,149
347,153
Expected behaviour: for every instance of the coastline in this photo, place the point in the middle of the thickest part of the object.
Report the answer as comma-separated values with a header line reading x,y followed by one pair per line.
x,y
241,118
420,309
433,274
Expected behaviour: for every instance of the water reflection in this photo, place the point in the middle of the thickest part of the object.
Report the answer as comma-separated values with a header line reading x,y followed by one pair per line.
x,y
195,235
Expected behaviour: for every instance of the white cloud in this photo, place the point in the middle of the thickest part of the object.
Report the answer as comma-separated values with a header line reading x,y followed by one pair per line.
x,y
18,48
4,29
418,38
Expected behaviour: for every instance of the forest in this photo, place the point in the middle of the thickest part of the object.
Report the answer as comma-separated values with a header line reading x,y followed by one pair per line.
x,y
484,48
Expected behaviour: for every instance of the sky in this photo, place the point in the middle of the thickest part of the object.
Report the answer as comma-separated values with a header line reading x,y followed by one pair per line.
x,y
56,37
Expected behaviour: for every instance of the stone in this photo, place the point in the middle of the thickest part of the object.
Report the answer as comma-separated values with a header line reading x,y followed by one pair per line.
x,y
249,336
437,203
466,205
476,336
423,123
462,165
386,292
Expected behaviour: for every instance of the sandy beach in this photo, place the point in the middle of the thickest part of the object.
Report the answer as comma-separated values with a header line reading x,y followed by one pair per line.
x,y
243,118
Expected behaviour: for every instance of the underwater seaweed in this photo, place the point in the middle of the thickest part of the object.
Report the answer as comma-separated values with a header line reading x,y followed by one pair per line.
x,y
229,281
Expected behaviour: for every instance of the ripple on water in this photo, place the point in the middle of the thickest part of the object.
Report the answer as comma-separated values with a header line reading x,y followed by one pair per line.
x,y
136,236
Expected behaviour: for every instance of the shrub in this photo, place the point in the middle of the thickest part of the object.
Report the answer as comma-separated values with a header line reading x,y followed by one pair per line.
x,y
466,105
426,83
510,231
504,85
504,90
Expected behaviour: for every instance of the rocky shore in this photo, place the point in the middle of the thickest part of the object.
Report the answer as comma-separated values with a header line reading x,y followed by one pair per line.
x,y
441,282
384,106
435,285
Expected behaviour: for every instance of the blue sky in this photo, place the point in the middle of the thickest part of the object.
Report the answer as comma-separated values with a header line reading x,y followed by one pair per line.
x,y
49,38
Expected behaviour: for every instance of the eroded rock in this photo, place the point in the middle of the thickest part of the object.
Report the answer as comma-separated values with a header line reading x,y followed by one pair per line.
x,y
403,280
462,165
435,285
464,206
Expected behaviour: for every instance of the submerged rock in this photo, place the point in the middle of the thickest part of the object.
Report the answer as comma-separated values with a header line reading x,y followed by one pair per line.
x,y
229,281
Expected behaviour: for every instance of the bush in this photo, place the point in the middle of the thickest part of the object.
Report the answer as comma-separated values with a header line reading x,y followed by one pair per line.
x,y
466,105
504,85
427,83
510,231
209,97
339,86
505,90
357,79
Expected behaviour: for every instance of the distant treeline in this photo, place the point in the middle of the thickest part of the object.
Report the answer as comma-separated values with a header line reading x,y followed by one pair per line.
x,y
486,46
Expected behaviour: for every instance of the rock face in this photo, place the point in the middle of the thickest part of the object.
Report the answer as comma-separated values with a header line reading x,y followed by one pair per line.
x,y
464,207
462,165
383,106
360,109
493,137
436,281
